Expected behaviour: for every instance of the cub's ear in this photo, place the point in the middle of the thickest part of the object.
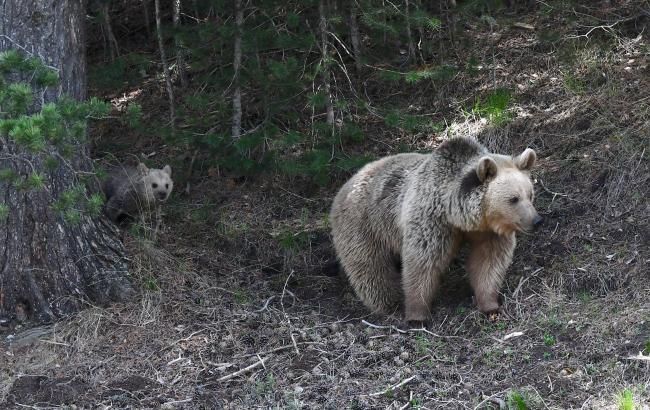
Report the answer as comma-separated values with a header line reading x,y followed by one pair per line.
x,y
526,161
142,169
167,170
486,169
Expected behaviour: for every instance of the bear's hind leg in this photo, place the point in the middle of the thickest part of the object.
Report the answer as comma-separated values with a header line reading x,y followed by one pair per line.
x,y
489,258
374,276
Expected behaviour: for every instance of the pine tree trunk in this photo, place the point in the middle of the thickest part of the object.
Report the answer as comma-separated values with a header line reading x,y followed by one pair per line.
x,y
180,49
163,60
326,71
409,35
354,35
112,41
147,19
236,98
48,267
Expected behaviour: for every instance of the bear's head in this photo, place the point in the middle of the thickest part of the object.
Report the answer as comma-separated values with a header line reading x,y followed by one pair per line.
x,y
508,200
157,183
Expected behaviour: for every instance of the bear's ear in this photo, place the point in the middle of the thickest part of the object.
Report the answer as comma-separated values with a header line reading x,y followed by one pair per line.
x,y
167,170
526,161
142,169
486,169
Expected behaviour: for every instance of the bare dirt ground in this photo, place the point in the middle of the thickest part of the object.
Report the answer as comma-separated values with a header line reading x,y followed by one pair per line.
x,y
238,308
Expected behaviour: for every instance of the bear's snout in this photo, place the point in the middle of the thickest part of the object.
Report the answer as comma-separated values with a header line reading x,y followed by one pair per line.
x,y
162,195
537,221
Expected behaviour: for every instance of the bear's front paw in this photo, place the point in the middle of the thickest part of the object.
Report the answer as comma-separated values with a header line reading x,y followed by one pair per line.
x,y
494,314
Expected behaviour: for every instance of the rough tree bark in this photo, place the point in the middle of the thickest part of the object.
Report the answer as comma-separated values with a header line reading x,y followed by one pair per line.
x,y
354,34
166,73
180,48
147,19
108,28
324,54
236,98
409,35
49,268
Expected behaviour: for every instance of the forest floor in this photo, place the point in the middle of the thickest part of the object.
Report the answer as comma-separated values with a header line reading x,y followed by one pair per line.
x,y
238,308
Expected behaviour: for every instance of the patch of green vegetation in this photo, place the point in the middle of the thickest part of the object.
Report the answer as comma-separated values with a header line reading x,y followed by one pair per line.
x,y
549,36
266,385
415,403
553,321
422,344
242,297
646,347
4,210
230,228
625,400
151,284
584,296
547,355
574,83
494,107
591,369
516,401
549,339
491,356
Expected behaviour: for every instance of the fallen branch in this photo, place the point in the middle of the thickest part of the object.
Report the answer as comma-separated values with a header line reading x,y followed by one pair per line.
x,y
393,387
640,356
242,371
511,335
492,398
422,329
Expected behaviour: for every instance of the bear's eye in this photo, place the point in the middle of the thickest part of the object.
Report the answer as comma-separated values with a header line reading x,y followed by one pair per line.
x,y
166,186
154,186
514,200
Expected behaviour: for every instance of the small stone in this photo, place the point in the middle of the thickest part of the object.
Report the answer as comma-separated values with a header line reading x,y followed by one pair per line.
x,y
404,355
334,327
298,389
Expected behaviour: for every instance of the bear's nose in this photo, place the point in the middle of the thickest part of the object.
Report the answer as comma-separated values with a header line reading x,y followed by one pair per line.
x,y
537,221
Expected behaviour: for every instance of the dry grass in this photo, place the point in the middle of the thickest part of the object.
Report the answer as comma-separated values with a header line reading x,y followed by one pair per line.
x,y
235,315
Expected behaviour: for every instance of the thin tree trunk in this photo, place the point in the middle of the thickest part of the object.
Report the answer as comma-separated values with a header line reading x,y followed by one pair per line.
x,y
180,48
420,30
409,36
354,35
147,19
163,60
49,267
324,58
236,99
112,41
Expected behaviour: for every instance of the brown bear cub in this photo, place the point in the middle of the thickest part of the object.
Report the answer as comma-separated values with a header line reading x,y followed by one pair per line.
x,y
132,190
418,209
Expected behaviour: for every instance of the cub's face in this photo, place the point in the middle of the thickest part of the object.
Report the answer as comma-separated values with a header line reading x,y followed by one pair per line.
x,y
508,201
157,182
